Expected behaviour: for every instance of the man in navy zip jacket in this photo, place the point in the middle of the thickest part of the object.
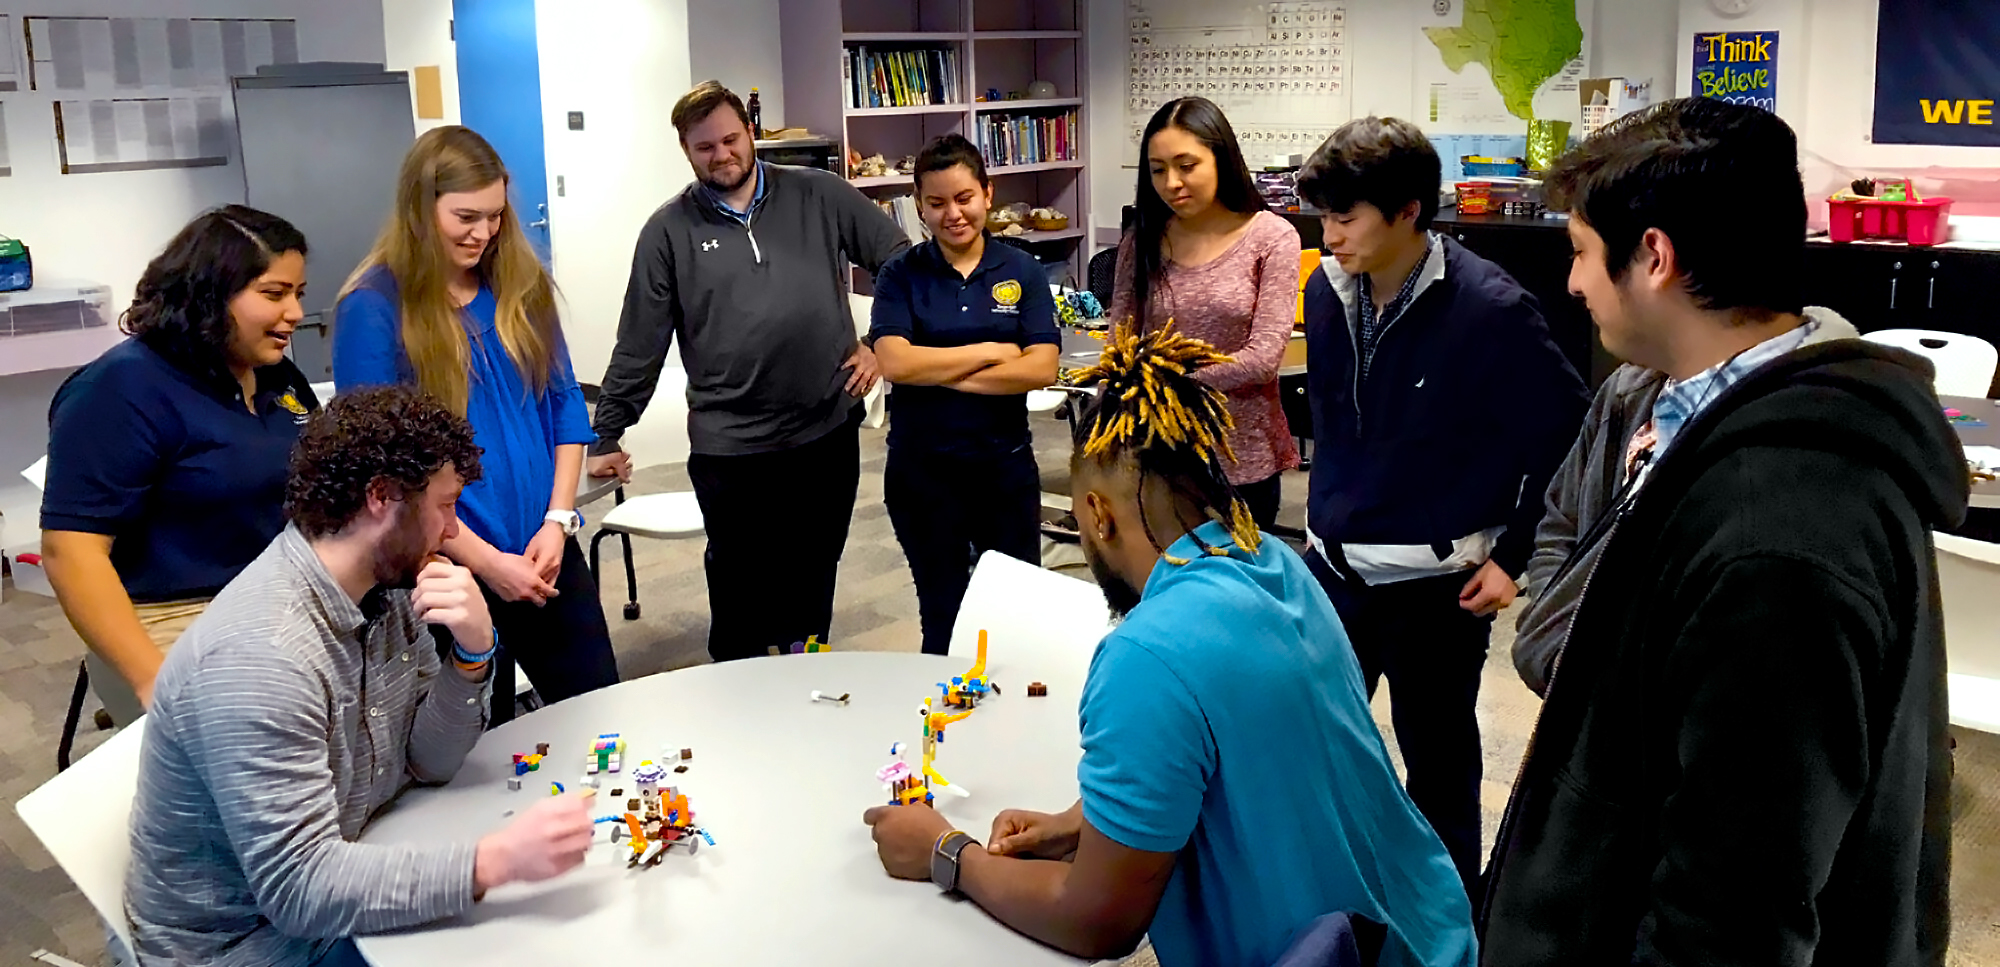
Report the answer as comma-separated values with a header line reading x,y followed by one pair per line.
x,y
1441,408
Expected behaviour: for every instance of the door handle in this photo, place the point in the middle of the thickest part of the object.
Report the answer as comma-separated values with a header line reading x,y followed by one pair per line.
x,y
1930,300
542,222
1894,281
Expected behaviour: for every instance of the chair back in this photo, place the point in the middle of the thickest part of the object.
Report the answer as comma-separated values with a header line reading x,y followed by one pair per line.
x,y
1964,363
84,817
1040,625
1103,276
1969,584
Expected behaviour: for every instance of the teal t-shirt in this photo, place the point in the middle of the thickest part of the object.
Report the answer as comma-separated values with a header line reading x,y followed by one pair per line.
x,y
1225,720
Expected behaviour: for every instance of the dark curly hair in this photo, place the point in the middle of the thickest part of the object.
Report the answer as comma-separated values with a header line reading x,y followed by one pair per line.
x,y
390,436
180,307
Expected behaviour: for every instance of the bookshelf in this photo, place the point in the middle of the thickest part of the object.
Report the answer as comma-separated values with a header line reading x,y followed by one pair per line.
x,y
1003,45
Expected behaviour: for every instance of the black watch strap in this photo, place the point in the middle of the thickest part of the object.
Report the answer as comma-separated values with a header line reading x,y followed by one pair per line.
x,y
944,860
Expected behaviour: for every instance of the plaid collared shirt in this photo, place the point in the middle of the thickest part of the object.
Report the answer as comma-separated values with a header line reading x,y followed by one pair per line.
x,y
1682,401
1369,323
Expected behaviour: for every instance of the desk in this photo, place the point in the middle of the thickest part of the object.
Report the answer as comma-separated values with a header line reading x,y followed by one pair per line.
x,y
780,781
1986,495
589,488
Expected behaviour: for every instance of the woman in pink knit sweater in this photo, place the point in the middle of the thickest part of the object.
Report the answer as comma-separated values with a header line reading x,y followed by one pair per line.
x,y
1205,253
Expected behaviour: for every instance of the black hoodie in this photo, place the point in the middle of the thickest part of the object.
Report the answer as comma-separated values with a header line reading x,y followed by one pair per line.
x,y
1742,758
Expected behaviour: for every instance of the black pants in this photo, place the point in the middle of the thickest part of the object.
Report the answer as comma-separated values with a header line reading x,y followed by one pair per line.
x,y
1262,498
1432,651
947,511
564,645
777,524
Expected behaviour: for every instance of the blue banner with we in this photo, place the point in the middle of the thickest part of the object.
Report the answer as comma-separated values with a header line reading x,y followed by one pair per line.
x,y
1937,72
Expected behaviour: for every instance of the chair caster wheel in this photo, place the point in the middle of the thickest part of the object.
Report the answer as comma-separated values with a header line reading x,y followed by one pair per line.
x,y
632,611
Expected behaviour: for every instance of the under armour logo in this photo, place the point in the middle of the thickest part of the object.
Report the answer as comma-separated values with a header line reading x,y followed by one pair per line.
x,y
711,245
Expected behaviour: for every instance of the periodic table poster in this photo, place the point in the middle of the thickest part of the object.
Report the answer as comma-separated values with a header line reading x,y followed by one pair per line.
x,y
1279,70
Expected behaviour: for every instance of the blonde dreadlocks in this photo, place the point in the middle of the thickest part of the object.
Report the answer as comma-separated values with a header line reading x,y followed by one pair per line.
x,y
1151,408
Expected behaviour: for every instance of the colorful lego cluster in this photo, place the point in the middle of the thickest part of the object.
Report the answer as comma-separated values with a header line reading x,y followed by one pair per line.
x,y
526,763
968,690
810,646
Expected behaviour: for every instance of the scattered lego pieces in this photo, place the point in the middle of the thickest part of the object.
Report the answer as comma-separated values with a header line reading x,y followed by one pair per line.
x,y
615,793
513,783
680,768
810,646
819,696
648,773
632,805
555,789
687,754
589,782
1037,690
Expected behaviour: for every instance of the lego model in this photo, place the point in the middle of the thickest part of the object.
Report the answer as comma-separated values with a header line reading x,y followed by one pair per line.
x,y
968,690
810,646
903,783
1037,690
605,754
819,696
658,821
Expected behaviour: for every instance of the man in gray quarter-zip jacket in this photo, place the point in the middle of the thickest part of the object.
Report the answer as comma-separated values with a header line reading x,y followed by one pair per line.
x,y
745,266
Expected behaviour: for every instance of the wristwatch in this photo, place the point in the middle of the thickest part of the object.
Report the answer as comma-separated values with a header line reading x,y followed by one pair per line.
x,y
944,859
570,520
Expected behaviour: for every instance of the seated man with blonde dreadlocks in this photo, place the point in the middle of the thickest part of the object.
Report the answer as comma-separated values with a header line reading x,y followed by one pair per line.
x,y
1234,787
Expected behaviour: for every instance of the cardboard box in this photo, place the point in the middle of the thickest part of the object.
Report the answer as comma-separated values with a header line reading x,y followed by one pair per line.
x,y
1606,99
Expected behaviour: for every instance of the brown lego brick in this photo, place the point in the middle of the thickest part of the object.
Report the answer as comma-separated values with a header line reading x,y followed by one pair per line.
x,y
680,768
1037,690
687,754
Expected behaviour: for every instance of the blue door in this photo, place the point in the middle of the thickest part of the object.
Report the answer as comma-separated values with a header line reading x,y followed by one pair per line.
x,y
500,96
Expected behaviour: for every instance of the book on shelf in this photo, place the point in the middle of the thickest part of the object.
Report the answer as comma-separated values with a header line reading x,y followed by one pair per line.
x,y
1025,139
900,78
903,209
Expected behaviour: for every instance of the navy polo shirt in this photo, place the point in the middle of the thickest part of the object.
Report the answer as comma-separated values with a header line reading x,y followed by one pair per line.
x,y
186,480
920,297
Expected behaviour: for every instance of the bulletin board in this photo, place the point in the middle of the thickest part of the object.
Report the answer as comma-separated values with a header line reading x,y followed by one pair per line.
x,y
1278,70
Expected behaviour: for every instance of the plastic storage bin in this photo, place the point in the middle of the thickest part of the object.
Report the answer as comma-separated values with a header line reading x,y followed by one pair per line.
x,y
1925,222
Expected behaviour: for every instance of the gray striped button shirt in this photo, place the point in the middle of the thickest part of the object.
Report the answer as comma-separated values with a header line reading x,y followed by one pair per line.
x,y
280,722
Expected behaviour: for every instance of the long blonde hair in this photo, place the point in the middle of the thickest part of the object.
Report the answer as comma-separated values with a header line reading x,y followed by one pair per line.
x,y
446,160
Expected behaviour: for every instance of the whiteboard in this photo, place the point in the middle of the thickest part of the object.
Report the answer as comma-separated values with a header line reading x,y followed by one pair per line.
x,y
1278,70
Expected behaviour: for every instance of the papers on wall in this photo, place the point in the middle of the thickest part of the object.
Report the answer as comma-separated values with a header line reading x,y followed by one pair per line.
x,y
146,92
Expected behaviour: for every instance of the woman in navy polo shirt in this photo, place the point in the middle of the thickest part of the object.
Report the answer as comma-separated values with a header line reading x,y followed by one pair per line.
x,y
965,327
452,300
168,454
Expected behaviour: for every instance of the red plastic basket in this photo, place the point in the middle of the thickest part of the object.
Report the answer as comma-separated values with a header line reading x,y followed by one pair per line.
x,y
1923,222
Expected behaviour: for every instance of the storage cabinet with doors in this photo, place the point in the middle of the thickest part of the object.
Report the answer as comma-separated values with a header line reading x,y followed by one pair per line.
x,y
1876,287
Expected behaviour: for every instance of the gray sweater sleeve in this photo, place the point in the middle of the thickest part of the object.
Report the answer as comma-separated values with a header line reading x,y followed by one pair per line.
x,y
281,814
645,333
868,236
450,717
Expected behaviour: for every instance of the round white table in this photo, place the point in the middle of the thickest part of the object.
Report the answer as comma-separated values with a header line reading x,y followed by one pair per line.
x,y
780,781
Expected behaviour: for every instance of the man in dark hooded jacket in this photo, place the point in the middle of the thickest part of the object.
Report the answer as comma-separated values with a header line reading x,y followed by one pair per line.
x,y
1742,756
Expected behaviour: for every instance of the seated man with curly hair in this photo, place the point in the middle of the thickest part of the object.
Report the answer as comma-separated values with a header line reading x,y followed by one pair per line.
x,y
308,694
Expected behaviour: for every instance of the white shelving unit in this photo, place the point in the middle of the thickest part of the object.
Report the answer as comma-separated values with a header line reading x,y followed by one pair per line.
x,y
1002,45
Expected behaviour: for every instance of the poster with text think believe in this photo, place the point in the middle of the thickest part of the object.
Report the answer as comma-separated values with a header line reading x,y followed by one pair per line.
x,y
1741,68
1937,72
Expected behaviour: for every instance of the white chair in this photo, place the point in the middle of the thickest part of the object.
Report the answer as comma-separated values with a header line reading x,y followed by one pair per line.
x,y
666,516
1969,583
1964,363
83,816
1040,625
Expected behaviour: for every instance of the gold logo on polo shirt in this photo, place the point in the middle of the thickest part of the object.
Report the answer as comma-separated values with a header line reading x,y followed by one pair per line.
x,y
292,404
1007,293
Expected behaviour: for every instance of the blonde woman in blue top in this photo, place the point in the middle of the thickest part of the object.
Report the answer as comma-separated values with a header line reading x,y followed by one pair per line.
x,y
452,300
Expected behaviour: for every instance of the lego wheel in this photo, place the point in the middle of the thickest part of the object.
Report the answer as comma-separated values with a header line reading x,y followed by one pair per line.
x,y
632,611
694,844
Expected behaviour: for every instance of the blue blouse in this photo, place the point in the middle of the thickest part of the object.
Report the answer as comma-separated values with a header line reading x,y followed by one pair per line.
x,y
518,431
